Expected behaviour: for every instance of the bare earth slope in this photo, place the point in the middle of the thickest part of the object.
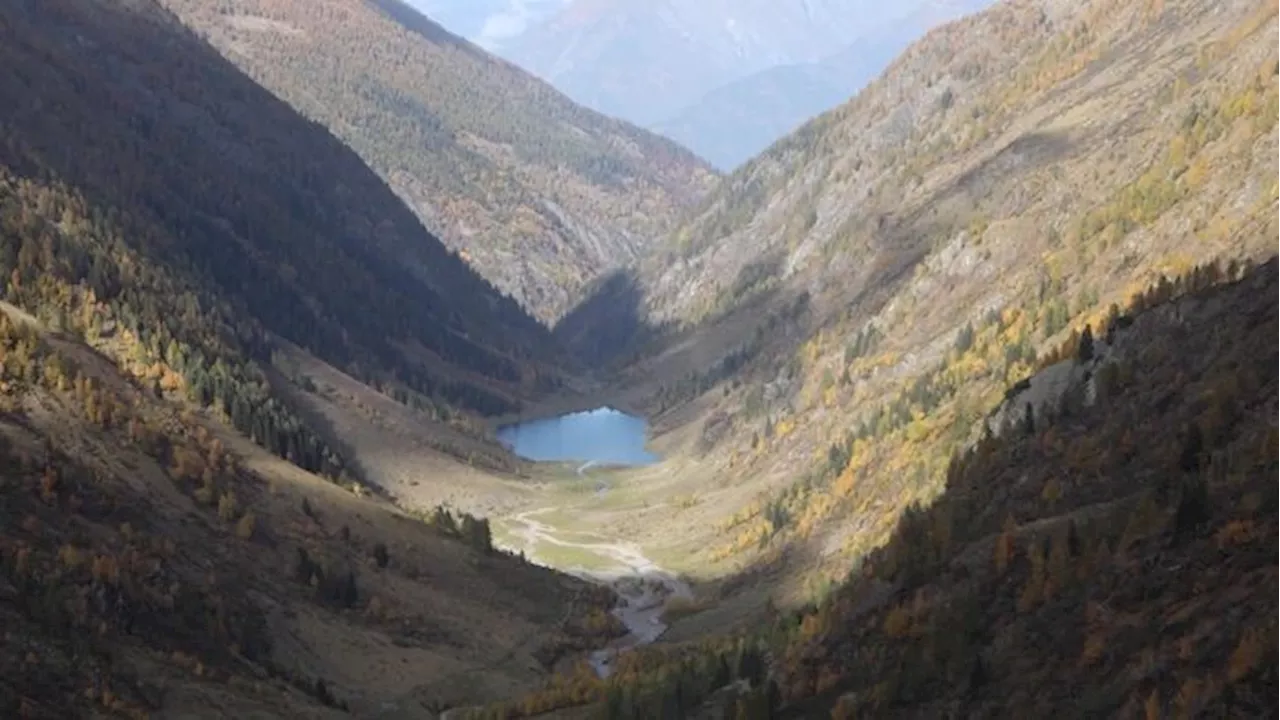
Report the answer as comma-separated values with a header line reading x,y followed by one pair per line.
x,y
538,194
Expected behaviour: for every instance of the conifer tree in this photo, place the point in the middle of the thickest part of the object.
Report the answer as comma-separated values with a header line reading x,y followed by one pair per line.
x,y
1084,352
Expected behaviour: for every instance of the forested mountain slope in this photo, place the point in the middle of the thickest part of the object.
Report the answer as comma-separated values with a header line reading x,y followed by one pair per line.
x,y
153,564
538,194
858,298
157,202
165,226
1114,556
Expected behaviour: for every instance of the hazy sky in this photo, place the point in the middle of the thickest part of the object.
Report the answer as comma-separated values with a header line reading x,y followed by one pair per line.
x,y
508,22
487,22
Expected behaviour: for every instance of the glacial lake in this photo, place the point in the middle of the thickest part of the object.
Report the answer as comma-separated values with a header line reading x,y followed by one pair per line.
x,y
603,436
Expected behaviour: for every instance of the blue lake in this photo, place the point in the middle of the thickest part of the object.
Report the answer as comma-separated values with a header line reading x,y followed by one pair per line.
x,y
602,436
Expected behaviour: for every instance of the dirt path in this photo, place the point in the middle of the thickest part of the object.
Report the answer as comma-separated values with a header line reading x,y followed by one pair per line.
x,y
642,586
627,557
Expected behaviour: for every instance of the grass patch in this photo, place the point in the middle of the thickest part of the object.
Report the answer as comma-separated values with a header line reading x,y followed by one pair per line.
x,y
565,557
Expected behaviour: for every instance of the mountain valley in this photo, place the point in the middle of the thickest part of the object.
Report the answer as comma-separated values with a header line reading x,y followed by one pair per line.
x,y
866,304
644,61
963,393
180,536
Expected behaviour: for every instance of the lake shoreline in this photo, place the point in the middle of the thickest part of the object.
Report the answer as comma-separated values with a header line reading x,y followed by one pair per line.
x,y
562,406
601,436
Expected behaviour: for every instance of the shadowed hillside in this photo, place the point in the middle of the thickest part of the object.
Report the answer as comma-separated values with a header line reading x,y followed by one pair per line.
x,y
154,564
179,218
538,194
177,248
1112,557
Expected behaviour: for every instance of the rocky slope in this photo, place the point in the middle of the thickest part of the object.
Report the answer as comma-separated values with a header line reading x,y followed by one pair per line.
x,y
857,299
537,194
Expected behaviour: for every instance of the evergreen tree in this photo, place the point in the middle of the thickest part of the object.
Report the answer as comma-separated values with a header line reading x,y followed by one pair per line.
x,y
1193,509
1084,351
720,675
1192,448
348,594
977,674
303,567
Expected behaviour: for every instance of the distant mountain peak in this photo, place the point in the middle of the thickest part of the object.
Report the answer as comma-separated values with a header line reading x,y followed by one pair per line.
x,y
654,63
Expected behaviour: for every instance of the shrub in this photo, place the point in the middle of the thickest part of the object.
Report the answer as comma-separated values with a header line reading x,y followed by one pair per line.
x,y
246,526
227,506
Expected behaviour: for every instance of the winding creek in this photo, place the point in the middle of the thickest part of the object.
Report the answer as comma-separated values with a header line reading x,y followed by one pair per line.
x,y
643,590
603,436
643,587
591,439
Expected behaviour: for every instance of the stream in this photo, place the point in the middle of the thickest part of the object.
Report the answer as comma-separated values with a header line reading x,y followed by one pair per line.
x,y
603,436
641,602
643,587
